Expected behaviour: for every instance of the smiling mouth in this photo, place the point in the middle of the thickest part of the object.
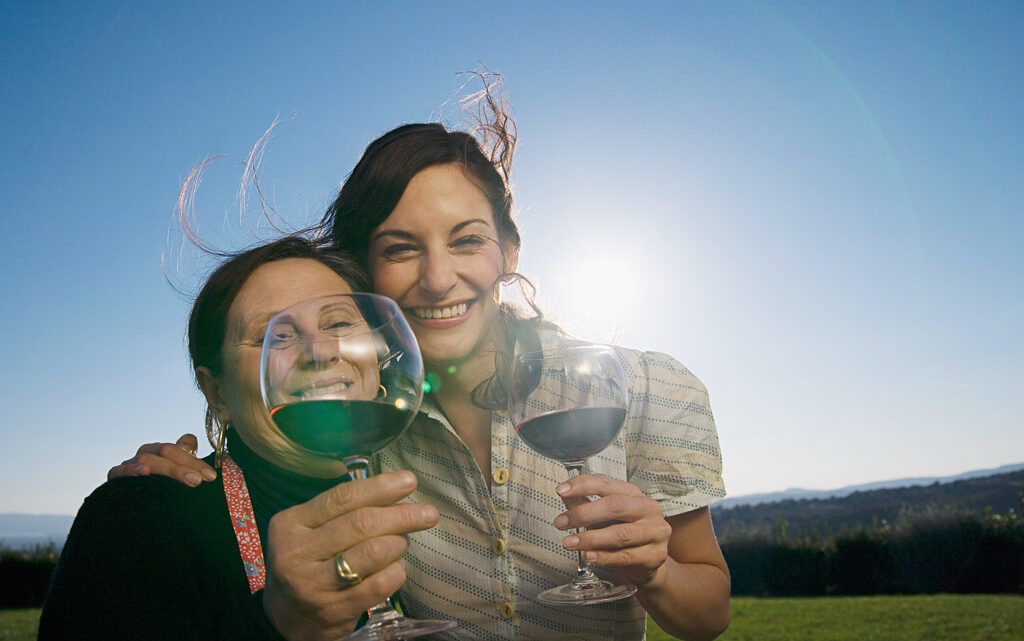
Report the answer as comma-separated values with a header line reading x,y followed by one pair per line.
x,y
452,311
326,388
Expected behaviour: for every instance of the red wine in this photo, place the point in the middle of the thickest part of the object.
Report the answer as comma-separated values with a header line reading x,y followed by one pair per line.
x,y
572,435
341,428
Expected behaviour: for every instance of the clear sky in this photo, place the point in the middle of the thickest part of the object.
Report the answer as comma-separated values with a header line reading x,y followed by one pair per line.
x,y
818,207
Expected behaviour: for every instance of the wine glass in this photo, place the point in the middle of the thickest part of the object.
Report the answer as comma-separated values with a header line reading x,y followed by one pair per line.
x,y
569,403
342,376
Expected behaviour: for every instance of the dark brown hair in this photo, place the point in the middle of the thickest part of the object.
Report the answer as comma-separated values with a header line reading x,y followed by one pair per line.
x,y
378,180
376,184
207,323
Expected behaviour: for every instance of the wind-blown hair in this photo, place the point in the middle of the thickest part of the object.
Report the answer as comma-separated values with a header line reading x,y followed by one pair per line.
x,y
378,181
372,191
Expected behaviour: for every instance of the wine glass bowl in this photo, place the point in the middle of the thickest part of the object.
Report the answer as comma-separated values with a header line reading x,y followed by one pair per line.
x,y
568,404
342,377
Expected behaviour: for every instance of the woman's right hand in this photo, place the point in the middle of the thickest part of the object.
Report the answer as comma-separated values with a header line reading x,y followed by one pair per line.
x,y
176,460
304,596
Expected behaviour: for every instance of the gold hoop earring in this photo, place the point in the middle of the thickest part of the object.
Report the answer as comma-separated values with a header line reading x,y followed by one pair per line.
x,y
219,450
382,392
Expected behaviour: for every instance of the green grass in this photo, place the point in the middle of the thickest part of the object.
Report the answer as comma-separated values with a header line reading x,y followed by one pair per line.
x,y
970,617
884,618
19,625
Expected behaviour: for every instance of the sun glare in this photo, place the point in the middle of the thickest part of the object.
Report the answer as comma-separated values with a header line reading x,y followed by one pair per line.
x,y
597,297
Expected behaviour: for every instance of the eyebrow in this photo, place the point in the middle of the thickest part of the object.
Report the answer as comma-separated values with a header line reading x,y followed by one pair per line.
x,y
398,233
250,325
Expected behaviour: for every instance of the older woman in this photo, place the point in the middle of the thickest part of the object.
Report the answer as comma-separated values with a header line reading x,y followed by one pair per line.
x,y
217,566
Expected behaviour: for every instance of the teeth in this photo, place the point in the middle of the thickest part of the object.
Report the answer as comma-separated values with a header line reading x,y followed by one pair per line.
x,y
330,389
440,312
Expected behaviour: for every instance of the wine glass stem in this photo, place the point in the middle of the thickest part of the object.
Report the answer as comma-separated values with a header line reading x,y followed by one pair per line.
x,y
583,572
383,611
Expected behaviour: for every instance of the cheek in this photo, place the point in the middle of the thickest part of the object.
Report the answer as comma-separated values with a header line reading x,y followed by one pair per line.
x,y
388,279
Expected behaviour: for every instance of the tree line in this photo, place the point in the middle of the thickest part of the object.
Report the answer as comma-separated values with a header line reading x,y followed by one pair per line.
x,y
914,541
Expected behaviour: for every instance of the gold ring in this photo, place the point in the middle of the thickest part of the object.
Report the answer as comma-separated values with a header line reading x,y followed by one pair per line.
x,y
347,575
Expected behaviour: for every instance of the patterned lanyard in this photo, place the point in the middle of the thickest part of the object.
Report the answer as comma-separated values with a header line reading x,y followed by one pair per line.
x,y
244,521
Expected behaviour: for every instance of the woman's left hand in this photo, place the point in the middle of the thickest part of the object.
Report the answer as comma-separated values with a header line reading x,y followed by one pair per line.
x,y
630,534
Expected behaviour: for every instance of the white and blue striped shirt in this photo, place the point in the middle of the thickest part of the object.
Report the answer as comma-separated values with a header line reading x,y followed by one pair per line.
x,y
495,547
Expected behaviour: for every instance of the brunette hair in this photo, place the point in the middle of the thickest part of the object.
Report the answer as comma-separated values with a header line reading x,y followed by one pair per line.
x,y
377,182
379,179
207,323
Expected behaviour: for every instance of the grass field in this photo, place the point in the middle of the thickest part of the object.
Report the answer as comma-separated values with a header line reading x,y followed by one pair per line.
x,y
883,618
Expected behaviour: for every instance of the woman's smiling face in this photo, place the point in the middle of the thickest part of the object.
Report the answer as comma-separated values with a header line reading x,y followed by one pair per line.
x,y
438,255
235,391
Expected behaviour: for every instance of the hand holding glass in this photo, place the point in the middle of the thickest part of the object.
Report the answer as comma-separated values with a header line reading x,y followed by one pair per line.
x,y
342,376
569,404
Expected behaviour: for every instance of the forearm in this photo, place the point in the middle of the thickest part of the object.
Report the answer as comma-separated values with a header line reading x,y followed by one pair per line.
x,y
688,600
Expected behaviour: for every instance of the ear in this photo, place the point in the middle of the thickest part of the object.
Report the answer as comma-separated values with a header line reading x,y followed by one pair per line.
x,y
210,385
511,255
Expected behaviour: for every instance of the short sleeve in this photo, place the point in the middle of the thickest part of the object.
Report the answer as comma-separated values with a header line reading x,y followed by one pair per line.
x,y
672,450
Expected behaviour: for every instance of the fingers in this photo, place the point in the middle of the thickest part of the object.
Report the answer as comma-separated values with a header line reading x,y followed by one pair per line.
x,y
375,491
619,501
595,484
367,557
189,443
305,596
127,468
176,460
322,610
621,537
627,530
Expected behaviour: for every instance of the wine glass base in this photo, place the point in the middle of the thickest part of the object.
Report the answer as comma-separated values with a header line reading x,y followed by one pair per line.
x,y
398,628
589,593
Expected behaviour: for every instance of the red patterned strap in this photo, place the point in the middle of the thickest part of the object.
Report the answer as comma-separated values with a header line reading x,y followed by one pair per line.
x,y
244,522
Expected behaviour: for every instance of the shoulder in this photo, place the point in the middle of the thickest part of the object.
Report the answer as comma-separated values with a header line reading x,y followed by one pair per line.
x,y
661,372
131,506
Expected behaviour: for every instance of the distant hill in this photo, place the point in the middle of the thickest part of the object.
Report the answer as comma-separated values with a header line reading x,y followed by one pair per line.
x,y
805,517
800,493
834,509
25,530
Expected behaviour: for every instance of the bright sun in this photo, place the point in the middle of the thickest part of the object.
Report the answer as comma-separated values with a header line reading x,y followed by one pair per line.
x,y
598,296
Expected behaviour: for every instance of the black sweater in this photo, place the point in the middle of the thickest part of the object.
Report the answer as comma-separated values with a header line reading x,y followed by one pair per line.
x,y
150,558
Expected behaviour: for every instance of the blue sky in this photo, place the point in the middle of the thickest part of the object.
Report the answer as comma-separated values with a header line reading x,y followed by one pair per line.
x,y
816,206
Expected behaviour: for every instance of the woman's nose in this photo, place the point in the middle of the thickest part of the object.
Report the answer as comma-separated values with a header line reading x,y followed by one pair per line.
x,y
437,274
320,353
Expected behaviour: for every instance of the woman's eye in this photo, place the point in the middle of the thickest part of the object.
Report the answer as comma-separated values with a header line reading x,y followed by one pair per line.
x,y
281,338
469,242
336,327
398,250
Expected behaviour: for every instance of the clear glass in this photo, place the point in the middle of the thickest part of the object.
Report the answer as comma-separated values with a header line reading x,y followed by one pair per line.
x,y
342,376
569,404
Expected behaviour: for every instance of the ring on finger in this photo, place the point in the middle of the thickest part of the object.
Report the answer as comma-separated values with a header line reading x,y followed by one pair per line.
x,y
346,574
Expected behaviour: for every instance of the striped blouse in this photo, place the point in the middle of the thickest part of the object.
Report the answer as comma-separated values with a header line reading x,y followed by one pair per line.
x,y
495,547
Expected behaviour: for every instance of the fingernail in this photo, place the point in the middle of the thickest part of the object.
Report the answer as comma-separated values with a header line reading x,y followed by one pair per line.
x,y
138,470
427,511
571,542
193,479
406,478
562,489
209,475
562,521
590,556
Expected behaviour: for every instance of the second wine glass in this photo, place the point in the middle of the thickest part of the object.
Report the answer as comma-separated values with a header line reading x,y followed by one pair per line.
x,y
342,376
569,403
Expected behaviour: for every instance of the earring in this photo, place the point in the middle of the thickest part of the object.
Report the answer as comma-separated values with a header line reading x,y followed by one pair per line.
x,y
215,434
219,451
382,392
